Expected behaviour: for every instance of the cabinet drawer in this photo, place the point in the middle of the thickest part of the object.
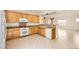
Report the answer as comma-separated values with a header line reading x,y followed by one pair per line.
x,y
10,30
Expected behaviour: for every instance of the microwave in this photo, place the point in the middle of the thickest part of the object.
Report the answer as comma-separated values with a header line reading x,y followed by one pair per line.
x,y
22,22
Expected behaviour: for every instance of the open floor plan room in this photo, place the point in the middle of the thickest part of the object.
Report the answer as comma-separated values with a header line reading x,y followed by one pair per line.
x,y
66,39
39,29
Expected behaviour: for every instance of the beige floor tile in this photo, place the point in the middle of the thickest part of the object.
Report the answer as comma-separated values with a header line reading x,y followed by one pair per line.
x,y
66,39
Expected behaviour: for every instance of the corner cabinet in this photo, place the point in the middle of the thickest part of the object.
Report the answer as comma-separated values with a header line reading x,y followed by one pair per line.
x,y
32,30
41,31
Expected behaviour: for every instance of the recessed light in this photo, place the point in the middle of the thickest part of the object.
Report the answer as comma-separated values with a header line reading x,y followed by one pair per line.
x,y
77,19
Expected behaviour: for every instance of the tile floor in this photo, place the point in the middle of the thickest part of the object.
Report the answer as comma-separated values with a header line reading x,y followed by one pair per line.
x,y
66,39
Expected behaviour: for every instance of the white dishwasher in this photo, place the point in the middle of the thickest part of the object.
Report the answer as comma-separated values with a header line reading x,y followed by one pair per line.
x,y
24,31
48,33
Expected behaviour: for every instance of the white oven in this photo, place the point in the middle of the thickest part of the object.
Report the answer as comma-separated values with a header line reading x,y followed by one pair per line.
x,y
24,31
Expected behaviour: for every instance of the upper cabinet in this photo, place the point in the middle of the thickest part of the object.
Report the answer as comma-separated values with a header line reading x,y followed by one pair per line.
x,y
36,19
33,19
30,18
13,17
21,15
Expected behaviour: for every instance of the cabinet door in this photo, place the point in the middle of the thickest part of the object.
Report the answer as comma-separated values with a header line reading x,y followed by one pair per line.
x,y
38,30
13,33
35,30
9,33
43,32
30,18
33,18
16,34
53,33
11,17
25,16
36,19
19,15
30,30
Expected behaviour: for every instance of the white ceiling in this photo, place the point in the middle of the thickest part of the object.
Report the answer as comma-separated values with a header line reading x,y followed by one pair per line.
x,y
42,12
35,12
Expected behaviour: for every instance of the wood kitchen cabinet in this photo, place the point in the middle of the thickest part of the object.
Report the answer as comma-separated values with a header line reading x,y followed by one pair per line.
x,y
32,30
33,18
13,33
41,31
22,15
30,18
54,33
16,34
9,33
11,17
25,16
35,29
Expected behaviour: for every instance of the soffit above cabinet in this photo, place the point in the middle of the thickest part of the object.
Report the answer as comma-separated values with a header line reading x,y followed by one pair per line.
x,y
43,12
35,12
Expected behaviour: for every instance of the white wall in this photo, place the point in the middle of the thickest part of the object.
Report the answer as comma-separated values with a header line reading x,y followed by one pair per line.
x,y
70,17
2,30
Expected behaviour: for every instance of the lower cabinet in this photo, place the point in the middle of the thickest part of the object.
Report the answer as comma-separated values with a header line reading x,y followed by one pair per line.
x,y
47,32
13,33
41,31
54,33
9,33
16,32
32,30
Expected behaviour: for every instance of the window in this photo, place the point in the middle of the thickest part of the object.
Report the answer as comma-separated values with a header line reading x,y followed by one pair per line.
x,y
61,21
77,19
64,21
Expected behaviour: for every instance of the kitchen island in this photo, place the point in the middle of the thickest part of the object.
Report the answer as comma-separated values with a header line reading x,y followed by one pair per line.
x,y
47,31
